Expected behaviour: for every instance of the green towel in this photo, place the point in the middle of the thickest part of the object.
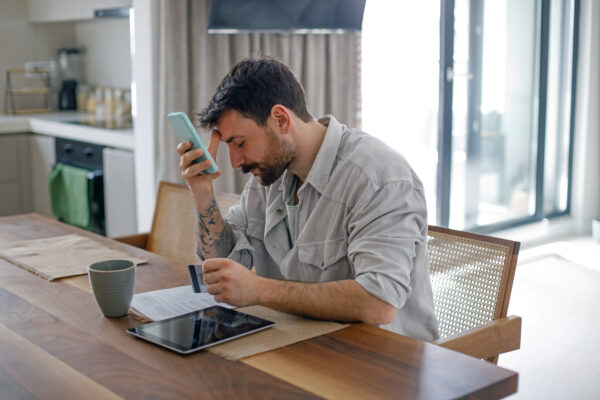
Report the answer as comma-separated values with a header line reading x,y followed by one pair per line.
x,y
70,195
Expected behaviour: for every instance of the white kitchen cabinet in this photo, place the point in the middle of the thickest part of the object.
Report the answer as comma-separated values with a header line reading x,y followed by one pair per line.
x,y
69,10
10,199
15,174
119,192
8,157
43,158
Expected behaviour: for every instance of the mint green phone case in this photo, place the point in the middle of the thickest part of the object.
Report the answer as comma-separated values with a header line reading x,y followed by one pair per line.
x,y
185,131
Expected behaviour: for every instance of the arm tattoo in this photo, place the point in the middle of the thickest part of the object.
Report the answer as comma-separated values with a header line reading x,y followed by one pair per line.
x,y
215,237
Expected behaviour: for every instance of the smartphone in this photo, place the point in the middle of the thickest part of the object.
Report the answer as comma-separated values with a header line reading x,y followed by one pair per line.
x,y
186,132
197,278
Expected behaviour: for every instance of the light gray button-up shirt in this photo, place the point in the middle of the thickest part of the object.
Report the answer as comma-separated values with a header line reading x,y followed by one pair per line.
x,y
361,215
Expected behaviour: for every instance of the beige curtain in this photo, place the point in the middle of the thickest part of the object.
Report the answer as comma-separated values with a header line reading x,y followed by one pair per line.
x,y
193,62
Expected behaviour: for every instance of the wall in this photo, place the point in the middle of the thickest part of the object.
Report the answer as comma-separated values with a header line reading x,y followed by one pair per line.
x,y
107,59
586,165
145,102
22,41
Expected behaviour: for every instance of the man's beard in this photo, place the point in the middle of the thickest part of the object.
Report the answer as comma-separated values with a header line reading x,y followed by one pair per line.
x,y
280,155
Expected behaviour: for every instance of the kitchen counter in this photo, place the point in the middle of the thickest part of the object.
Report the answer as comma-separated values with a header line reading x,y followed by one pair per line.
x,y
64,125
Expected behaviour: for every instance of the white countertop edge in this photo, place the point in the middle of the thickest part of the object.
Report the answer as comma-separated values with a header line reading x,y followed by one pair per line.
x,y
14,126
122,138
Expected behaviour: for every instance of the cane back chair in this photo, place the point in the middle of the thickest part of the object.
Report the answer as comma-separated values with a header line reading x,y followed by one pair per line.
x,y
471,277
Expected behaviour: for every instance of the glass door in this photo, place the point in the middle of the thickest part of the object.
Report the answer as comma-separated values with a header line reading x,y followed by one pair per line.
x,y
498,78
506,158
493,132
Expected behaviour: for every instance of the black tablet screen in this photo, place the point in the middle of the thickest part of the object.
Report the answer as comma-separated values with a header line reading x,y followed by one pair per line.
x,y
200,329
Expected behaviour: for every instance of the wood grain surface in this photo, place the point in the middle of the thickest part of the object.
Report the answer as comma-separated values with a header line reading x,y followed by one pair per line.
x,y
62,320
55,331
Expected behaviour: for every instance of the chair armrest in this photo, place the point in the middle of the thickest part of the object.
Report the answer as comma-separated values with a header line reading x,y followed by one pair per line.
x,y
486,341
140,240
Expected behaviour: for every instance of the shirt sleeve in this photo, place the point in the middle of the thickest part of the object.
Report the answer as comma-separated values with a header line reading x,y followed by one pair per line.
x,y
385,229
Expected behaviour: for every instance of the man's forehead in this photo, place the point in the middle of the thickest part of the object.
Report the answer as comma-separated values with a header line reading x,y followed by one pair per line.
x,y
233,125
226,137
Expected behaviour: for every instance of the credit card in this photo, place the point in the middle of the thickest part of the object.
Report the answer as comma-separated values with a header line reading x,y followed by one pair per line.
x,y
197,278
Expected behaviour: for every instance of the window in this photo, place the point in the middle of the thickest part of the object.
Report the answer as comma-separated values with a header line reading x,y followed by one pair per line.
x,y
499,154
400,57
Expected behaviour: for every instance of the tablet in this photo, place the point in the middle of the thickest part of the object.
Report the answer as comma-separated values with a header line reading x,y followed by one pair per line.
x,y
200,329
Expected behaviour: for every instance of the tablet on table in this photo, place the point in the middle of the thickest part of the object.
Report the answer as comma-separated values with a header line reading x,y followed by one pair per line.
x,y
200,329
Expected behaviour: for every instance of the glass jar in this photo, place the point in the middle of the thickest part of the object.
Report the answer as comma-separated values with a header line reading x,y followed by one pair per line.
x,y
82,97
109,101
127,102
99,101
118,101
90,104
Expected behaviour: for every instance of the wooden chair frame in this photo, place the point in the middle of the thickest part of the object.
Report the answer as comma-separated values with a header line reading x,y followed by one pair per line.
x,y
501,335
164,210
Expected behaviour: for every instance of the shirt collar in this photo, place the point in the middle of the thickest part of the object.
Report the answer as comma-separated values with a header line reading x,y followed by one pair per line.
x,y
322,166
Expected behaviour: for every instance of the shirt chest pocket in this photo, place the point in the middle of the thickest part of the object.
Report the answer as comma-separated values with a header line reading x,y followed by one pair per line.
x,y
323,255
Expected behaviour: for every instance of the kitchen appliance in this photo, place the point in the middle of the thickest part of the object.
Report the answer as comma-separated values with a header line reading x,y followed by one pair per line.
x,y
67,97
69,69
119,12
114,123
90,157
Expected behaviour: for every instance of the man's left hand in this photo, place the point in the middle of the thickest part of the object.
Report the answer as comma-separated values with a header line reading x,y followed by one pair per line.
x,y
231,282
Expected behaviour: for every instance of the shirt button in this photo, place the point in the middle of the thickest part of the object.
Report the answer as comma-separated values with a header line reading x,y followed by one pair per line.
x,y
279,211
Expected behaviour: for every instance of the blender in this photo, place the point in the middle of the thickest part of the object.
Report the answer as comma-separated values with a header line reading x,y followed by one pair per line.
x,y
69,69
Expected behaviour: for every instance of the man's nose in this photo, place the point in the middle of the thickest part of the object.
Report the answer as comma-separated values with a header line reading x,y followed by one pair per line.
x,y
235,157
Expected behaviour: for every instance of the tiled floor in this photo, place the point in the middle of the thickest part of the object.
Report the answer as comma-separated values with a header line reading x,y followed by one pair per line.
x,y
557,293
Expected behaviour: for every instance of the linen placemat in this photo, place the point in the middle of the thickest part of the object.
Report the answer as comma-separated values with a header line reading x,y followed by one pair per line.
x,y
61,256
288,329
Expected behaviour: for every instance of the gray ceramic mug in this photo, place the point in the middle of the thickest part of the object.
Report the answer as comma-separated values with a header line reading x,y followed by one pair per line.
x,y
113,283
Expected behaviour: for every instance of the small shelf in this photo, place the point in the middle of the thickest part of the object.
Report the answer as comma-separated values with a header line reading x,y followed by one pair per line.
x,y
27,91
10,105
32,111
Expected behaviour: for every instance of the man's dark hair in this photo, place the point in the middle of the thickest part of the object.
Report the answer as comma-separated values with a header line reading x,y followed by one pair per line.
x,y
252,88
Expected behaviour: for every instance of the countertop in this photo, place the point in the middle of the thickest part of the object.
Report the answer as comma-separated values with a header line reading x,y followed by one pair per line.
x,y
61,124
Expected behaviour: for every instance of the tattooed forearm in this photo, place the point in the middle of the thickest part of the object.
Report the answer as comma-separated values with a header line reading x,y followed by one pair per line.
x,y
215,237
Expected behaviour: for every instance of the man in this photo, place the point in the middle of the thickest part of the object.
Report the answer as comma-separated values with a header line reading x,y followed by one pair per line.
x,y
333,220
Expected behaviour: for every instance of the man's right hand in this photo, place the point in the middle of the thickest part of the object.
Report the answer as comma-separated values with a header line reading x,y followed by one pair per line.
x,y
215,237
200,184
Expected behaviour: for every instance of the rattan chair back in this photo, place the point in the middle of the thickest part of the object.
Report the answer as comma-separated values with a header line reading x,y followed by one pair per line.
x,y
174,228
471,277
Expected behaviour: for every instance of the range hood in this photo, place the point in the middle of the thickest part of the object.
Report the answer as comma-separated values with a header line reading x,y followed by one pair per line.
x,y
118,12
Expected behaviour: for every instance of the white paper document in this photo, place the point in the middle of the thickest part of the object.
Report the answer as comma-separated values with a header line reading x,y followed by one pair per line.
x,y
167,303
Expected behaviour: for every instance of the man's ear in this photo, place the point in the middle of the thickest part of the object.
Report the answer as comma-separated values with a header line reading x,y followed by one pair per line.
x,y
281,116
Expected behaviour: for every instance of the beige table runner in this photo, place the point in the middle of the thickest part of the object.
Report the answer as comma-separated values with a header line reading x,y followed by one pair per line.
x,y
61,256
288,329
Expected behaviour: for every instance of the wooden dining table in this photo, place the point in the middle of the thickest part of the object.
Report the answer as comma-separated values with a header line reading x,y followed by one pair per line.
x,y
55,343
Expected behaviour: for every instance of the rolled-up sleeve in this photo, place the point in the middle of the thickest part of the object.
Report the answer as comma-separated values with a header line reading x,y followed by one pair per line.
x,y
385,229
